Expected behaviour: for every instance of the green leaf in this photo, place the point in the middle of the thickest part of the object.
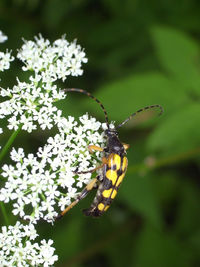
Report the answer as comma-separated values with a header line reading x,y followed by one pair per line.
x,y
166,187
178,133
156,249
195,240
124,97
179,55
67,237
188,215
119,252
71,105
138,192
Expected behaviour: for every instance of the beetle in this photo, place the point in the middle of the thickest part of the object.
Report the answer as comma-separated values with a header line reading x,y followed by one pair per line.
x,y
114,165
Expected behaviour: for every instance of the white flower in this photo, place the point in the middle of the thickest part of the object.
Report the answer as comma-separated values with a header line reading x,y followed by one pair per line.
x,y
47,253
18,209
13,123
17,248
39,184
5,59
1,131
3,37
17,155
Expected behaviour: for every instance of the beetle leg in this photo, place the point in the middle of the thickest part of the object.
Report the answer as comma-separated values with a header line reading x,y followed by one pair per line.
x,y
93,147
126,146
104,161
82,195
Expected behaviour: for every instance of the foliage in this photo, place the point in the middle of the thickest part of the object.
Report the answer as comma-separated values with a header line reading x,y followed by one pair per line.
x,y
140,53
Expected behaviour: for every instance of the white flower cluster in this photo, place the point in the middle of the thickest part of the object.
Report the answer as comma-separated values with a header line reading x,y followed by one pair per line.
x,y
18,249
38,184
31,104
5,58
56,61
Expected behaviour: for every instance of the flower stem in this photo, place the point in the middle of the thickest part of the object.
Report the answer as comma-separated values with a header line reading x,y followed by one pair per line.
x,y
9,143
166,161
3,210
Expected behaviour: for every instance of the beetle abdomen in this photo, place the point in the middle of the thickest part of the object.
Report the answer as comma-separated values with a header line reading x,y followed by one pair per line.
x,y
114,173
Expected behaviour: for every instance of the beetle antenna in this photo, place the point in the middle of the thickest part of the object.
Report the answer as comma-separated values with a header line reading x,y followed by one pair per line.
x,y
140,110
91,96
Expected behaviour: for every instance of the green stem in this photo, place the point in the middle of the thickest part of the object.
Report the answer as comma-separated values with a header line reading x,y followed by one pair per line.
x,y
3,210
167,161
2,154
9,143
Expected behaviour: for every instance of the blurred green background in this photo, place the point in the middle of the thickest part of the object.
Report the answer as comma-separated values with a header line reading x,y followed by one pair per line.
x,y
140,53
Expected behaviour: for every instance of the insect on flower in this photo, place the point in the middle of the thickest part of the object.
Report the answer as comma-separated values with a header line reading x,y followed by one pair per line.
x,y
114,165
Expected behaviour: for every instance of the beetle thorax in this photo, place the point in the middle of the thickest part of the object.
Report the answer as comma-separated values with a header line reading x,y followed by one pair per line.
x,y
113,143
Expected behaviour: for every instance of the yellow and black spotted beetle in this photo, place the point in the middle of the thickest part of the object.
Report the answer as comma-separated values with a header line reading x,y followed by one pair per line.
x,y
114,165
